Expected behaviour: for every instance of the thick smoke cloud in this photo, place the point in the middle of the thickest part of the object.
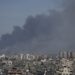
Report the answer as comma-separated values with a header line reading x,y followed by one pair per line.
x,y
46,33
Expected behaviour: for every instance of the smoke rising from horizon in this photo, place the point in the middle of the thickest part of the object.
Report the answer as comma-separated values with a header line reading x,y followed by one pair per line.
x,y
44,32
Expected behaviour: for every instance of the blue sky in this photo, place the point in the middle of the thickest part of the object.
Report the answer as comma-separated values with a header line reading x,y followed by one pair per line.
x,y
15,12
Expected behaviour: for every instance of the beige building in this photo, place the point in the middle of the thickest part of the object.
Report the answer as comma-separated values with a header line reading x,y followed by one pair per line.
x,y
66,71
66,67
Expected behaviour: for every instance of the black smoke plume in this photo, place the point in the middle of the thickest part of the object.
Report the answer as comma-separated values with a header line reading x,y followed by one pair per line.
x,y
45,32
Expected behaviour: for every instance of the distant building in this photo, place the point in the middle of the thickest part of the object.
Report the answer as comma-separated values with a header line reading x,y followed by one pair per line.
x,y
66,54
14,71
2,56
30,57
21,56
66,67
64,71
7,62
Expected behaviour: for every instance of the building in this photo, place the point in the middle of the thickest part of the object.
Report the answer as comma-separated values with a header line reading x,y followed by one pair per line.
x,y
64,71
14,71
65,67
2,56
30,57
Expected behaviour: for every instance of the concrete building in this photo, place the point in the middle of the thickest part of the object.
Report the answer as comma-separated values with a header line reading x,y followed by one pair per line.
x,y
14,71
66,71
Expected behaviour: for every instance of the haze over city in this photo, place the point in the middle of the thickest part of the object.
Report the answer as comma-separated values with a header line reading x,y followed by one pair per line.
x,y
37,37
